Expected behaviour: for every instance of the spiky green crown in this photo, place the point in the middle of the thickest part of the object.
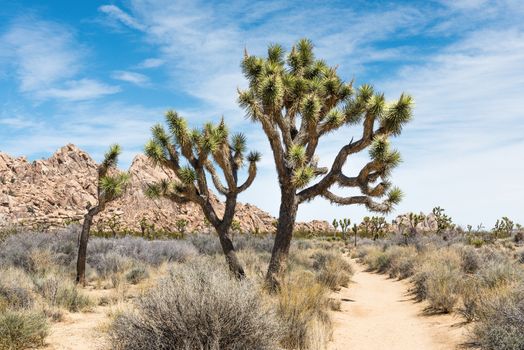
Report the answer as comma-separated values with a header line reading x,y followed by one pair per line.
x,y
298,81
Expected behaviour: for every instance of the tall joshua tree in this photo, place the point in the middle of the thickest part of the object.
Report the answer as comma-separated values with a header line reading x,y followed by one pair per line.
x,y
202,149
297,100
111,185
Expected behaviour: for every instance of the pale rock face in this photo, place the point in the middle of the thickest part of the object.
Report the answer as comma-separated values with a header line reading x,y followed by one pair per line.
x,y
428,224
51,193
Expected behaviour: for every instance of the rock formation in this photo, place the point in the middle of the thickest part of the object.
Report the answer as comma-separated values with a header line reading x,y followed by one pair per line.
x,y
52,193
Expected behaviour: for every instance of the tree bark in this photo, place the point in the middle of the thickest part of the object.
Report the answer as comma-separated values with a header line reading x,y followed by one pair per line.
x,y
286,223
229,252
82,247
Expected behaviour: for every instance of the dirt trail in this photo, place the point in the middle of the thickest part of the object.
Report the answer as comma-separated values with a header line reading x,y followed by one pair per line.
x,y
377,314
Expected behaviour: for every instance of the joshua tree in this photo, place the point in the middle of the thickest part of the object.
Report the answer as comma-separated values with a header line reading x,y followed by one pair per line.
x,y
344,226
355,232
202,149
111,185
377,225
503,227
444,222
298,100
335,226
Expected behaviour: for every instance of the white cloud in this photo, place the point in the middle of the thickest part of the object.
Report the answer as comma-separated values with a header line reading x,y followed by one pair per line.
x,y
77,90
42,53
115,13
151,63
131,77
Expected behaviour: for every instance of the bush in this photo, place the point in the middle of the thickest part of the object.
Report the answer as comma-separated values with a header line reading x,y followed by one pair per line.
x,y
62,294
22,329
137,274
15,290
501,324
443,288
333,271
198,306
470,259
302,308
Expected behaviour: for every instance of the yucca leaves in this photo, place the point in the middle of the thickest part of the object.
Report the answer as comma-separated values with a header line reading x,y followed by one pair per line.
x,y
398,114
111,156
187,175
254,157
155,152
297,155
113,186
302,176
238,142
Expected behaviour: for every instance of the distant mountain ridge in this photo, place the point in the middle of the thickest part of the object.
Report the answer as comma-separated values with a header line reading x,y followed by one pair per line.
x,y
54,192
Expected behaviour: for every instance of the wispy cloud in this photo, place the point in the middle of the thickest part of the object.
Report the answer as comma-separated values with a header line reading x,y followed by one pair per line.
x,y
151,63
45,57
116,13
77,90
131,77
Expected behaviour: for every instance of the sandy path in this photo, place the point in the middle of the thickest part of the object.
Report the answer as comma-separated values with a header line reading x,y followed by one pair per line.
x,y
377,313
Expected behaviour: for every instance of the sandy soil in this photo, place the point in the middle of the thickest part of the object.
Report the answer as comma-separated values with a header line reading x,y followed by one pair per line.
x,y
377,313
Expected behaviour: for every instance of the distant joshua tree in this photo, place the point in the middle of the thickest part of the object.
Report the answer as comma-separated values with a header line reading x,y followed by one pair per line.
x,y
297,100
111,185
202,149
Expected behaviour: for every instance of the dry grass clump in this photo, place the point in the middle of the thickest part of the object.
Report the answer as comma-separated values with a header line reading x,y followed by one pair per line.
x,y
302,307
333,271
58,292
199,306
22,329
501,320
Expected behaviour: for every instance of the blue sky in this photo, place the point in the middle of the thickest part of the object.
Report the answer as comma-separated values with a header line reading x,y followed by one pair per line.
x,y
98,72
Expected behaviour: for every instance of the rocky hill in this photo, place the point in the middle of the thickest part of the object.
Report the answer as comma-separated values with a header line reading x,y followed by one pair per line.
x,y
52,193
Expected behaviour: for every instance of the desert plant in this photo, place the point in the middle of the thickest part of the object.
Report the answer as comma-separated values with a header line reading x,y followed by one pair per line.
x,y
302,307
137,274
501,324
202,149
111,185
198,307
503,227
444,222
332,270
299,88
22,329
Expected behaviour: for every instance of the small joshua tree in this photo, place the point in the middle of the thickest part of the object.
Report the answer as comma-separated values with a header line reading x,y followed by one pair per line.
x,y
335,226
344,226
377,226
354,229
444,222
298,100
202,149
503,227
111,185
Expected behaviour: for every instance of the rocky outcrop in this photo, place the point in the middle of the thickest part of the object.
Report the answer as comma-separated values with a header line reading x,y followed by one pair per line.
x,y
52,193
403,222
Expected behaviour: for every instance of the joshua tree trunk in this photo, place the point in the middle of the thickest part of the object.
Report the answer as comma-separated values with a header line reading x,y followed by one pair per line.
x,y
286,223
229,251
82,247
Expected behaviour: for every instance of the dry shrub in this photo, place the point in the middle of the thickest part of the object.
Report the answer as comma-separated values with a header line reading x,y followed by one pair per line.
x,y
438,279
137,273
402,261
302,306
15,289
60,293
333,270
501,320
471,260
22,329
199,306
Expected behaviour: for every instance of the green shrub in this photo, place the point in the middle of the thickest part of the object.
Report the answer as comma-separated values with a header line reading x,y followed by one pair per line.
x,y
22,329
